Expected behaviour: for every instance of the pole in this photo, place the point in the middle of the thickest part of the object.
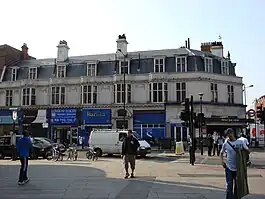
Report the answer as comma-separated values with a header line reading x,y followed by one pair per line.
x,y
192,131
200,129
13,138
124,92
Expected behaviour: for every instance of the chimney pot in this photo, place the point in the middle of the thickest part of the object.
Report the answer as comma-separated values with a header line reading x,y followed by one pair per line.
x,y
188,43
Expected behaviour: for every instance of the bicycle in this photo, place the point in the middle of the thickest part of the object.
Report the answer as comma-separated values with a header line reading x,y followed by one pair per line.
x,y
91,154
72,153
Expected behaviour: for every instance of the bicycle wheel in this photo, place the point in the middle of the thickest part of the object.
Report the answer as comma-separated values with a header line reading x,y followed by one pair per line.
x,y
89,155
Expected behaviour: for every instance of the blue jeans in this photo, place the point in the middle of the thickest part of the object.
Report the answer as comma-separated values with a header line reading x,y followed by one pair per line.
x,y
230,184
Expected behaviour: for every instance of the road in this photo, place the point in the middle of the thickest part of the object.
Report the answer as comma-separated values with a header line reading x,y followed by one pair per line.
x,y
156,177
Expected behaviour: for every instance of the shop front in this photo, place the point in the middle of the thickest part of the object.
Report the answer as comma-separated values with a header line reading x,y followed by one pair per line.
x,y
35,121
149,124
6,122
64,125
94,119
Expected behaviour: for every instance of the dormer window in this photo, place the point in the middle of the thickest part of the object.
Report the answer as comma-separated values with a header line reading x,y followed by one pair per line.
x,y
124,67
33,73
159,65
14,74
91,69
208,65
181,64
225,67
61,71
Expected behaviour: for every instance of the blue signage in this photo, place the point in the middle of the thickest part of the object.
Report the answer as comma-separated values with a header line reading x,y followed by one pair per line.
x,y
63,116
96,116
6,117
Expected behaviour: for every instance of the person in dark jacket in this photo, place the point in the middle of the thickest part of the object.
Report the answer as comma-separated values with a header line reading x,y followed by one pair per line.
x,y
210,144
24,146
129,151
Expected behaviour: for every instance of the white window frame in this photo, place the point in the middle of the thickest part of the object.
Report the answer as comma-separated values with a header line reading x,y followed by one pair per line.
x,y
9,97
179,61
120,66
214,92
158,65
33,71
181,90
13,74
230,94
164,92
208,65
28,95
225,67
61,71
90,72
60,95
128,93
93,94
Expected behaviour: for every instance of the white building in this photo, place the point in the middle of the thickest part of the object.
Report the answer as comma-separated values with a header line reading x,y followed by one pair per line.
x,y
157,81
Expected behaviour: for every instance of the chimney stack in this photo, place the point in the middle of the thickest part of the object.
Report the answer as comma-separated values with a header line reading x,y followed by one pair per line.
x,y
62,53
188,43
25,54
216,48
122,44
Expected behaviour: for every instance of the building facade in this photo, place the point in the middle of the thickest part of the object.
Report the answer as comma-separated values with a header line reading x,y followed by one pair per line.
x,y
80,93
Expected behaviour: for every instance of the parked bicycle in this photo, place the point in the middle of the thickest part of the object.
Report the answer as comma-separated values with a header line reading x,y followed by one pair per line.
x,y
72,153
91,154
56,153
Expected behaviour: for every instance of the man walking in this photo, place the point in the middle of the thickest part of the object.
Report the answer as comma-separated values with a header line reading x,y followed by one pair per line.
x,y
230,165
215,142
23,147
129,151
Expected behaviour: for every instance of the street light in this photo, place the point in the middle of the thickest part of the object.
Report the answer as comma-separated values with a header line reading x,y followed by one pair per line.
x,y
245,91
124,86
200,122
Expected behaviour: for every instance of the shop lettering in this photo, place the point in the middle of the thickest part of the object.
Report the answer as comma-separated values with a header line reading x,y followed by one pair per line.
x,y
97,114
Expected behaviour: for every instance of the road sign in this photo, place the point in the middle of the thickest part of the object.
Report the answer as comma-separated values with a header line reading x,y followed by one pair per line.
x,y
251,112
14,115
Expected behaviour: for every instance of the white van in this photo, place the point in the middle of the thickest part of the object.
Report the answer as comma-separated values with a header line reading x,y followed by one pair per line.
x,y
109,141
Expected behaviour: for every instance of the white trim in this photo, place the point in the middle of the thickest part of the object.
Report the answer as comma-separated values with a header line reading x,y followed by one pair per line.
x,y
7,97
164,65
94,89
224,67
163,92
14,72
179,61
63,67
214,93
36,72
60,95
29,95
181,90
121,91
208,65
87,71
120,61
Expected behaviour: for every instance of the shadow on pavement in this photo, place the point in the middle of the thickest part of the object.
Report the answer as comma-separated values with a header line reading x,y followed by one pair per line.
x,y
76,182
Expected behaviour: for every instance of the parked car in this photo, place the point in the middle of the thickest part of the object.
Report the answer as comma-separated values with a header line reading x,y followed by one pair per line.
x,y
47,140
39,148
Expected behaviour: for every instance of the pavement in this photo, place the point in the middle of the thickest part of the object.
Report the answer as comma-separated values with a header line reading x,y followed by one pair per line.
x,y
104,179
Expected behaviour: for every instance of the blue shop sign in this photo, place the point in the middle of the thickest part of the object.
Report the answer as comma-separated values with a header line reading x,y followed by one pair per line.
x,y
63,116
6,117
96,116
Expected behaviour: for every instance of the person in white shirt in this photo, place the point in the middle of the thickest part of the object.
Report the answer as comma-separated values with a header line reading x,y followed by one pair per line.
x,y
230,165
215,142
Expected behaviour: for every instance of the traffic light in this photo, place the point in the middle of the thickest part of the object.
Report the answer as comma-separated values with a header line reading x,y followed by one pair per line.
x,y
185,114
201,119
260,113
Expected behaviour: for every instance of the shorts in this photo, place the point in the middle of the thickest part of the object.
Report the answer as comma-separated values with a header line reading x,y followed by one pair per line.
x,y
129,159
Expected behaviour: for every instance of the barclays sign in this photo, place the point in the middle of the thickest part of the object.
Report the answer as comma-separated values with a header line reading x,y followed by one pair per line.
x,y
96,116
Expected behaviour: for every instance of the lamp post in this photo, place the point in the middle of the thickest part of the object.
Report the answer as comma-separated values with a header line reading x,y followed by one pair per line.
x,y
200,122
124,86
245,91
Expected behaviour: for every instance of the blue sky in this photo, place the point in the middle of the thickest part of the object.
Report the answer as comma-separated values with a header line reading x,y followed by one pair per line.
x,y
92,26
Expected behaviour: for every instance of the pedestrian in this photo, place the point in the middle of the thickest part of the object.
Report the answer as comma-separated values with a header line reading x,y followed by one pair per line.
x,y
220,142
192,148
215,142
129,151
245,140
24,146
210,144
230,165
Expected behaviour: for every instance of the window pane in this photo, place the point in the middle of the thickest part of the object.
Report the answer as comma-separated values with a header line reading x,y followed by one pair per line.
x,y
154,86
154,96
178,86
183,95
178,96
160,96
160,86
183,86
63,90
